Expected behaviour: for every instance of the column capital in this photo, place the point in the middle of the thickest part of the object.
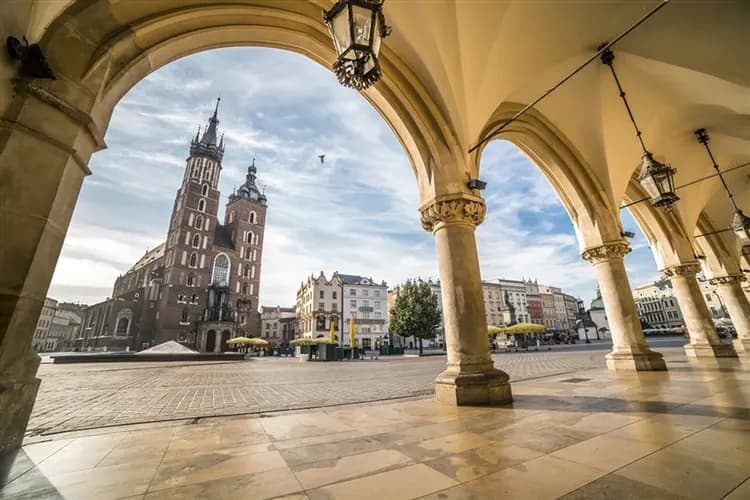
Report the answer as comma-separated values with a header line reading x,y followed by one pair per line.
x,y
608,251
689,269
460,208
727,280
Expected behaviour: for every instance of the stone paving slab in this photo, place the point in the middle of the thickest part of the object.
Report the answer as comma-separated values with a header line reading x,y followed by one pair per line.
x,y
74,397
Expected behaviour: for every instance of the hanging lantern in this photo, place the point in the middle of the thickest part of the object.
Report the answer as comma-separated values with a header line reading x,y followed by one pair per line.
x,y
741,227
658,181
357,28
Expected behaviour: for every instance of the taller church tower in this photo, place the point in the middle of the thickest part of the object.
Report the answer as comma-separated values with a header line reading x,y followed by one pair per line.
x,y
190,247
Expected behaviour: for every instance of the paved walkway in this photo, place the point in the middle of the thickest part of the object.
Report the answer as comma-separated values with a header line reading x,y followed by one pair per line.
x,y
660,435
82,396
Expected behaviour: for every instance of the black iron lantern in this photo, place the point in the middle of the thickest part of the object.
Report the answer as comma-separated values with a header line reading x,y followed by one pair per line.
x,y
357,28
655,177
658,181
741,227
740,222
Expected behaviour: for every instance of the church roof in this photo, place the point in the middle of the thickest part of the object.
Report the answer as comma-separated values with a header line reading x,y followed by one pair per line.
x,y
597,304
150,256
222,237
249,190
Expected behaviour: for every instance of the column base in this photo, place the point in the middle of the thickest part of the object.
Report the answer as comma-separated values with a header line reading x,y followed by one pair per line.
x,y
742,346
16,400
635,361
490,387
710,351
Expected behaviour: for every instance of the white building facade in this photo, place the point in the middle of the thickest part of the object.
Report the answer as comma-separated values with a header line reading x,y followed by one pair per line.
x,y
278,324
364,301
42,342
318,303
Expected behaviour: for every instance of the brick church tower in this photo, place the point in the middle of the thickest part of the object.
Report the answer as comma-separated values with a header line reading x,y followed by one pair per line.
x,y
212,270
201,286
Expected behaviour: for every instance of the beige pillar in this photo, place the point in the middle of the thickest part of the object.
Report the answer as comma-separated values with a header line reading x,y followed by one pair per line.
x,y
730,290
45,144
217,342
629,350
470,378
704,341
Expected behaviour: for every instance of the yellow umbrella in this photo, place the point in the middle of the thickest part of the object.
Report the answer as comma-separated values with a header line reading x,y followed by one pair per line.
x,y
248,341
332,333
306,341
238,340
352,333
519,329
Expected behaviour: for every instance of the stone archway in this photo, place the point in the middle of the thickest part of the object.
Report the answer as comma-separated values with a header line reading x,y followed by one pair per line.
x,y
595,218
225,336
210,341
63,122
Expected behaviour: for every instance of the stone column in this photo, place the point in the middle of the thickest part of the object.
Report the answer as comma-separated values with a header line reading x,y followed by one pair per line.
x,y
629,350
45,144
730,290
217,344
470,378
704,341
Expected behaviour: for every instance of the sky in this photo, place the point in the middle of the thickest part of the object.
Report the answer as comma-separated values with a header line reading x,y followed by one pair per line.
x,y
356,213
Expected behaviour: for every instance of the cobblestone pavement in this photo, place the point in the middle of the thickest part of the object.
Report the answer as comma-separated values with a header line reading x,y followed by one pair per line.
x,y
82,396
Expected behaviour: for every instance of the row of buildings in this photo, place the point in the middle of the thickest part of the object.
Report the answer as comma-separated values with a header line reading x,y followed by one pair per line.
x,y
58,326
658,307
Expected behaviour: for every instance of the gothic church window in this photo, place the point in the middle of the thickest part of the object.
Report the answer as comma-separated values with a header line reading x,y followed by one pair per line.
x,y
204,190
221,270
199,222
193,260
197,241
202,205
184,316
253,218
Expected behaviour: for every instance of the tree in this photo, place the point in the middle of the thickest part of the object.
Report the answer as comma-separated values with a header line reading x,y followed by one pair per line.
x,y
415,312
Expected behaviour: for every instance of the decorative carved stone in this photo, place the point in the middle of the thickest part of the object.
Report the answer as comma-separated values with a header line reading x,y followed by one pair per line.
x,y
727,280
461,209
689,269
608,251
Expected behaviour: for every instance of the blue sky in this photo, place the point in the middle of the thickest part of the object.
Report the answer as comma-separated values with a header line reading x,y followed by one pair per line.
x,y
357,213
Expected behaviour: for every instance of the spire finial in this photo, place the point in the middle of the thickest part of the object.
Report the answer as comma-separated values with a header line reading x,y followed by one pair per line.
x,y
216,111
253,162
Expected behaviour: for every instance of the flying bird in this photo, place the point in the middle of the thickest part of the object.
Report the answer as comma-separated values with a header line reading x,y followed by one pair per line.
x,y
322,158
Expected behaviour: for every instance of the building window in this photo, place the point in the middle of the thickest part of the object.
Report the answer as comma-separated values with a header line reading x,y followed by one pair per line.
x,y
365,293
184,316
197,241
199,222
204,190
201,205
122,326
352,292
221,271
193,260
231,216
353,304
334,295
322,294
321,306
253,218
377,293
191,280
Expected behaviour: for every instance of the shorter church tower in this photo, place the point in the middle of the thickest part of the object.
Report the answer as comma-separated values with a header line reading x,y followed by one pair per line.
x,y
245,219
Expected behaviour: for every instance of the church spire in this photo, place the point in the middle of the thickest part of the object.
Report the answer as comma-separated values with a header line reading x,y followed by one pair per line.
x,y
209,135
206,145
